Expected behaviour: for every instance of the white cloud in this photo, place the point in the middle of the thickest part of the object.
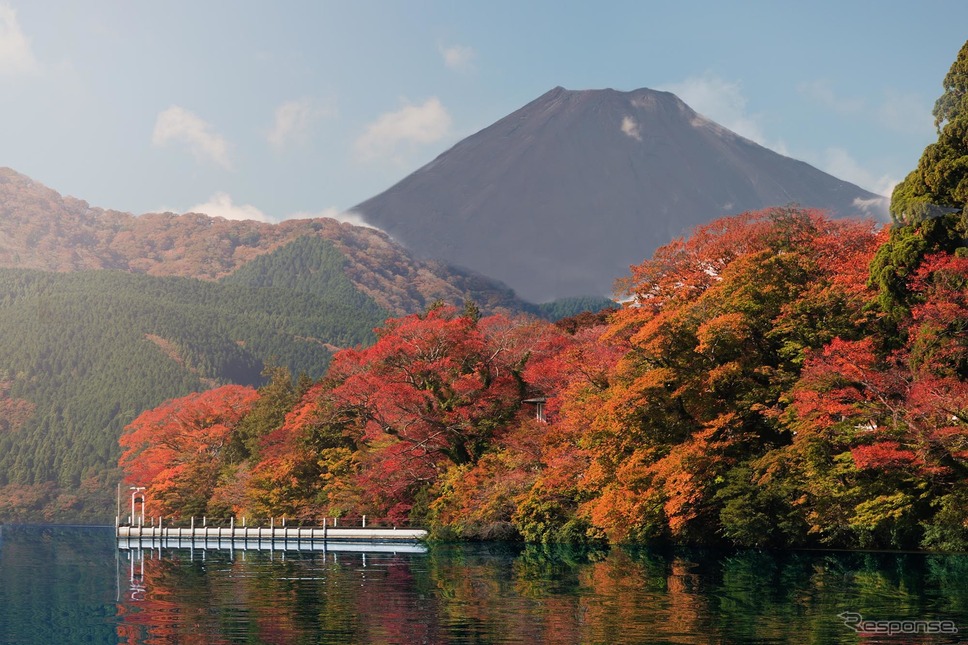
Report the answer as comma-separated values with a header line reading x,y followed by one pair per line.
x,y
348,217
294,120
220,205
821,92
875,206
723,102
16,56
458,57
840,164
631,128
176,124
410,125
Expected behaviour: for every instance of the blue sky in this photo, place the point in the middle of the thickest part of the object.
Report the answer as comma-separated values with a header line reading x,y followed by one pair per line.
x,y
272,110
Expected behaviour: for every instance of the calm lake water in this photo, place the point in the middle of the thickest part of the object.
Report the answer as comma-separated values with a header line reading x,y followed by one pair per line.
x,y
73,585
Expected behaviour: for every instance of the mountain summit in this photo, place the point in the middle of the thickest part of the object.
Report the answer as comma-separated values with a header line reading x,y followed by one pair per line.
x,y
560,197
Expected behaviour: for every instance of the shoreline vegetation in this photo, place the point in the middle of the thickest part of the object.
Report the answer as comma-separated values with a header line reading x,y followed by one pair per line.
x,y
763,389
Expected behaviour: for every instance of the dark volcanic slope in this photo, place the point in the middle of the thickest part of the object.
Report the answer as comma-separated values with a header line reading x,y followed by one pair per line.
x,y
560,197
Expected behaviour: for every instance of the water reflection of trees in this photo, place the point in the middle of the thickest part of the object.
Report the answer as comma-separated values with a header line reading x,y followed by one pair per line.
x,y
276,598
501,593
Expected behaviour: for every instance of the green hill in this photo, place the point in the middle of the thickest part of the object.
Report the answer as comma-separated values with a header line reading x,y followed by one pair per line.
x,y
87,351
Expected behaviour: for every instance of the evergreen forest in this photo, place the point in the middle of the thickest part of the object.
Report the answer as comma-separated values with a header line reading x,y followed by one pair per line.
x,y
86,352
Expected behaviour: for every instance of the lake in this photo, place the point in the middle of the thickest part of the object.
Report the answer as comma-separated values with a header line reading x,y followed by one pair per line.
x,y
73,585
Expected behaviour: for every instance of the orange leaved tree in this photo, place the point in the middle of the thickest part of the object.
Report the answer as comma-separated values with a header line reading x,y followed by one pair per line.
x,y
177,449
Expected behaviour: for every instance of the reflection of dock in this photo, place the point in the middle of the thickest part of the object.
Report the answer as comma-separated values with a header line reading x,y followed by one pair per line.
x,y
201,550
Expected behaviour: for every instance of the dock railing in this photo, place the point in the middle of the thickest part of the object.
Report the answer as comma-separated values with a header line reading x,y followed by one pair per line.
x,y
359,528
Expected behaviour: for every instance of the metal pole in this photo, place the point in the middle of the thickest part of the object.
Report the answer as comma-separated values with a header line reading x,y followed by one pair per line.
x,y
134,495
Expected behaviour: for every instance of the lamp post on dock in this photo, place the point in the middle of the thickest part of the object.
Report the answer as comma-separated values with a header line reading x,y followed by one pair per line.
x,y
135,490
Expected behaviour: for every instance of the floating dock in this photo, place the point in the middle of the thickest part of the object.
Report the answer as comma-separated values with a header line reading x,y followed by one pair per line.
x,y
322,534
280,545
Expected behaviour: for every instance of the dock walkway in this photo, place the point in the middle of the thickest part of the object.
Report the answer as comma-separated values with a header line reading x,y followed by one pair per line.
x,y
284,533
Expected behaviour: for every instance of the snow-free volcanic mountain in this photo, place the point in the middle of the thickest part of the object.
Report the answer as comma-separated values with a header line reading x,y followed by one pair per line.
x,y
560,197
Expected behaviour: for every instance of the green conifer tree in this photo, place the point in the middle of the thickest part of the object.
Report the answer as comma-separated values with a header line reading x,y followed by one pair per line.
x,y
939,185
930,207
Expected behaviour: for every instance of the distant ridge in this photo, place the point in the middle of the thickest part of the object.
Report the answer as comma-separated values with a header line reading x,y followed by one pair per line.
x,y
558,198
40,229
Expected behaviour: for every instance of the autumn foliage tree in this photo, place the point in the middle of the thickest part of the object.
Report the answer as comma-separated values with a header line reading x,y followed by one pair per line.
x,y
307,464
435,392
177,450
877,456
719,330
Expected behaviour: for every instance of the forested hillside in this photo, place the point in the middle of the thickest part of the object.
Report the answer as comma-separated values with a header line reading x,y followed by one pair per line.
x,y
85,352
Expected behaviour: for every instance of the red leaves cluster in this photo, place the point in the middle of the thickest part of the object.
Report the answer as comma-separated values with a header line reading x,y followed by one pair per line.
x,y
435,391
882,454
176,449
